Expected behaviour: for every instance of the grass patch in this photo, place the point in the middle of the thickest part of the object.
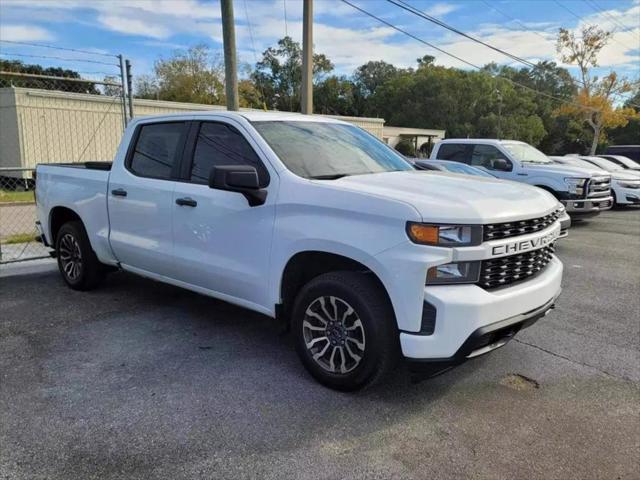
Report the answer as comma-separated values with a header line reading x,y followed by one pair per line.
x,y
19,238
12,196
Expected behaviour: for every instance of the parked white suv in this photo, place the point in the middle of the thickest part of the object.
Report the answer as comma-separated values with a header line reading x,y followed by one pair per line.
x,y
625,183
315,222
583,191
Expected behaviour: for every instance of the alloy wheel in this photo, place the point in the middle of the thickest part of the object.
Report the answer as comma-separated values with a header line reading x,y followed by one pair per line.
x,y
333,334
70,257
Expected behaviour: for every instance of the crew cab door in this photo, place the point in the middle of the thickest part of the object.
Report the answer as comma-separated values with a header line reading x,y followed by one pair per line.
x,y
221,243
141,198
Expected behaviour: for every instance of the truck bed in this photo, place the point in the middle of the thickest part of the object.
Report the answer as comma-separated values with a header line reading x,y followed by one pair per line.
x,y
80,187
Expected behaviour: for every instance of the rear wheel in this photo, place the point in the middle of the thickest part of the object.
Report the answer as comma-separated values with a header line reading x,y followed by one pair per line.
x,y
345,330
78,264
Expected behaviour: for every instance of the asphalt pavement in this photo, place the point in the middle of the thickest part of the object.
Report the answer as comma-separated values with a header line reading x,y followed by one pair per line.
x,y
143,380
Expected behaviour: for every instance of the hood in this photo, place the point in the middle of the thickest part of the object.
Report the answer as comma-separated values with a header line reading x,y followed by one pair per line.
x,y
567,170
625,175
442,197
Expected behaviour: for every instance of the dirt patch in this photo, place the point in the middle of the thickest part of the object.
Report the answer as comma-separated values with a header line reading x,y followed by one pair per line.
x,y
519,382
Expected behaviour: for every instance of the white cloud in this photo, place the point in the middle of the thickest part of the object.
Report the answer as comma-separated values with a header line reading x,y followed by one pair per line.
x,y
24,33
441,9
132,26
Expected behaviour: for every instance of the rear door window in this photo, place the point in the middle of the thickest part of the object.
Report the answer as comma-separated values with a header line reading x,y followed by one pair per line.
x,y
157,150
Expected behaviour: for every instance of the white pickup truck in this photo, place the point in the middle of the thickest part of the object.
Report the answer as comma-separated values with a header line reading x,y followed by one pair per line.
x,y
313,221
585,192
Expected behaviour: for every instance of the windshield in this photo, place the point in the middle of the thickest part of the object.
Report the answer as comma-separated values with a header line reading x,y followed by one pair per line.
x,y
605,164
526,153
466,169
329,150
626,162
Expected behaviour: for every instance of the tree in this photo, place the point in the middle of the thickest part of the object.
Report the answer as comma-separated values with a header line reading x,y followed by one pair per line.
x,y
45,84
593,103
335,95
195,75
630,133
371,75
278,75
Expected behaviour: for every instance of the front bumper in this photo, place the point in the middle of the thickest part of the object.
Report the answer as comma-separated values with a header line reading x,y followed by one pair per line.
x,y
565,223
588,206
481,341
463,310
627,196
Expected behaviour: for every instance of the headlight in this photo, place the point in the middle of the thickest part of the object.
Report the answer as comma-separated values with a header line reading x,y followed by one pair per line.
x,y
444,235
460,272
628,184
576,185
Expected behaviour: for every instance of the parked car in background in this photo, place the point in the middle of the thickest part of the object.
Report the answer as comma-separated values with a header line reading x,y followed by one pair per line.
x,y
453,167
584,191
315,222
625,184
624,162
629,151
464,169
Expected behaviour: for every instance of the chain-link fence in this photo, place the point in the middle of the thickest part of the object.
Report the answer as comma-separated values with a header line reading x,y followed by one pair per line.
x,y
18,217
52,110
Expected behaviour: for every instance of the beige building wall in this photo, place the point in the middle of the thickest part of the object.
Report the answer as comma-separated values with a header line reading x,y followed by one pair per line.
x,y
46,126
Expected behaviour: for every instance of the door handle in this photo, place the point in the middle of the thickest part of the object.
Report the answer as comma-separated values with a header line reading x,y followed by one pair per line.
x,y
119,192
186,202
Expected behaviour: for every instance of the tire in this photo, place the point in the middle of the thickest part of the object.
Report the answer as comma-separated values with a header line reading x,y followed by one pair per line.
x,y
357,354
77,262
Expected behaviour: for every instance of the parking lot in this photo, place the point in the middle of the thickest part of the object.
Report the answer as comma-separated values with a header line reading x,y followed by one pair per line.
x,y
143,380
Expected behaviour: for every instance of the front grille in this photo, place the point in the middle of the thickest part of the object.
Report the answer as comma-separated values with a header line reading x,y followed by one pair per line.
x,y
497,231
499,272
599,187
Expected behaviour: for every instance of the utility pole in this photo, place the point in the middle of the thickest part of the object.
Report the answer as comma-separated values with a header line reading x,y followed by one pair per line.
x,y
499,95
230,62
306,94
127,67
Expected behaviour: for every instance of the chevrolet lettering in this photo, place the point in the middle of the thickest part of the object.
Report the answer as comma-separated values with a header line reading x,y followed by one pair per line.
x,y
525,245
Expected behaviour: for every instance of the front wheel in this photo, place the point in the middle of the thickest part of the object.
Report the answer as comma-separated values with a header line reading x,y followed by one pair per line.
x,y
345,330
78,264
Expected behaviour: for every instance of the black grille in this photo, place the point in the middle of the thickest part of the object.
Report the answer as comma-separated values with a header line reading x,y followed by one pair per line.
x,y
498,272
496,231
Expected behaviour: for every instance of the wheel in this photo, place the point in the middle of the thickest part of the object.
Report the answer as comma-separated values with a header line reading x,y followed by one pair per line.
x,y
344,330
78,264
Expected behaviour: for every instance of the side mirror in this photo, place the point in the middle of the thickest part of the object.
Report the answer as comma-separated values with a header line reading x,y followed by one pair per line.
x,y
501,165
239,178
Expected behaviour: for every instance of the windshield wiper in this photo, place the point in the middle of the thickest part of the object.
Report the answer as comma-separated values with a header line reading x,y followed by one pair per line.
x,y
333,176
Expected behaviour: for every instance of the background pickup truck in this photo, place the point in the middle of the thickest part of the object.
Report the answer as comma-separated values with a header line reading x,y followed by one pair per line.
x,y
315,222
583,191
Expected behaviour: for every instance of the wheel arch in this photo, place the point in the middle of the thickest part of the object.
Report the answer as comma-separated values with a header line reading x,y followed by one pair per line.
x,y
306,265
58,216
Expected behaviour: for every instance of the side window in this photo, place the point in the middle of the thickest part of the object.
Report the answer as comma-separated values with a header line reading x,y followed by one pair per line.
x,y
221,144
484,155
156,150
456,152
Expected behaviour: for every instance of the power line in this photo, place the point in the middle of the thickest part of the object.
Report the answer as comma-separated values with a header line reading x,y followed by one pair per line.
x,y
64,59
255,54
41,45
575,15
599,9
526,87
405,6
506,15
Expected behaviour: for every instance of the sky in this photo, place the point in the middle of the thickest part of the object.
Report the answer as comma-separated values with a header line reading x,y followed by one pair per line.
x,y
145,30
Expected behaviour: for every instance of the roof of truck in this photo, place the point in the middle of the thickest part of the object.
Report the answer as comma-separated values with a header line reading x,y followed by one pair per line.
x,y
479,140
251,115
